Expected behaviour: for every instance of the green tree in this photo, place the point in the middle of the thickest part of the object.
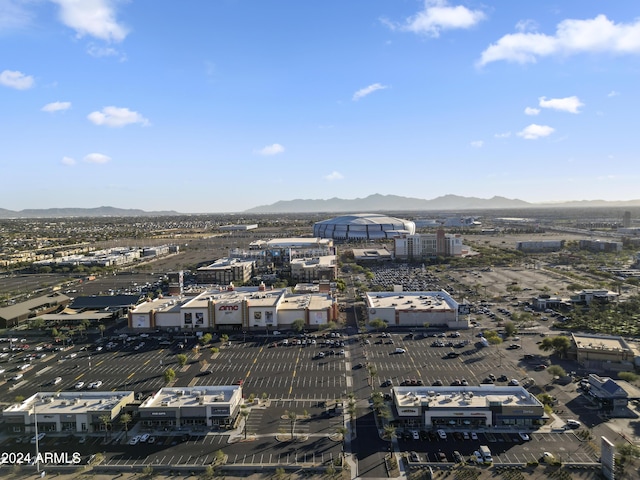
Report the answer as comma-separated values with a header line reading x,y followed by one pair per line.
x,y
509,329
169,375
378,324
224,338
206,338
125,420
37,323
102,328
182,359
628,376
556,371
559,345
298,325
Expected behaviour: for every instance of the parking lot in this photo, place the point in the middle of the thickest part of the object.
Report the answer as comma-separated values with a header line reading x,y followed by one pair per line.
x,y
293,378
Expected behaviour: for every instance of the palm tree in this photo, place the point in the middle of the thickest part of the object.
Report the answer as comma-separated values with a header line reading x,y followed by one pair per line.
x,y
106,421
125,420
389,433
245,414
292,416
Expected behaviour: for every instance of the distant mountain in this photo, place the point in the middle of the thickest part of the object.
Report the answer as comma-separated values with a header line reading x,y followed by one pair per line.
x,y
390,203
82,212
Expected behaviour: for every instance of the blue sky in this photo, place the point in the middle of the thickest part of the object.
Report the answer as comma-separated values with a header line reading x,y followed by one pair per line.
x,y
222,105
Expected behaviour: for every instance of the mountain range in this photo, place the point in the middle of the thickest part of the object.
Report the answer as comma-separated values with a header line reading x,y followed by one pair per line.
x,y
391,203
371,204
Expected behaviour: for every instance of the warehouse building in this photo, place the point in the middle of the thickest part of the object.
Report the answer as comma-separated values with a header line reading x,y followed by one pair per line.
x,y
465,408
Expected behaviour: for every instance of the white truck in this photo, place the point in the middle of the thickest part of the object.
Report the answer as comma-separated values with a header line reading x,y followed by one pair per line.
x,y
486,454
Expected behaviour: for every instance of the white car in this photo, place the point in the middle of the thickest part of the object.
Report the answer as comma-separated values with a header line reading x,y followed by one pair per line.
x,y
56,380
94,385
442,434
415,434
513,382
78,385
573,423
17,377
525,437
144,437
478,457
38,437
474,436
134,440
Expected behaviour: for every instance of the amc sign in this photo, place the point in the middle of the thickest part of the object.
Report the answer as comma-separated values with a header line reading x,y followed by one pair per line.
x,y
228,308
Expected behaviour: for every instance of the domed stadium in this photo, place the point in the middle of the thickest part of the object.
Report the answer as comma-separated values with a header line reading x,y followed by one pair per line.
x,y
363,226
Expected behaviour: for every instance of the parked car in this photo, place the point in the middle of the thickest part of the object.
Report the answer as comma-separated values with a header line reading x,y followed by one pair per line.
x,y
442,434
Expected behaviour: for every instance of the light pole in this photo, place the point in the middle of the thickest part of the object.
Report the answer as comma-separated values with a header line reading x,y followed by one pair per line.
x,y
35,416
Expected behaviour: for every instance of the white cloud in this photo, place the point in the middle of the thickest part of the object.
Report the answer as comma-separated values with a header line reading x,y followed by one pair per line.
x,y
477,143
572,37
13,15
613,93
526,26
97,158
437,16
334,176
567,104
56,106
363,92
116,117
96,18
533,131
68,161
99,51
531,111
503,135
15,79
271,149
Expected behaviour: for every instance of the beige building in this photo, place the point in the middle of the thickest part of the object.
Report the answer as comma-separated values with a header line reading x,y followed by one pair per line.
x,y
604,352
243,308
225,271
317,268
58,412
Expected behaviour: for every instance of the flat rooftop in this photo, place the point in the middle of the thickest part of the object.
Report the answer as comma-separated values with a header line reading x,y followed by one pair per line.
x,y
191,396
481,396
55,403
601,343
410,300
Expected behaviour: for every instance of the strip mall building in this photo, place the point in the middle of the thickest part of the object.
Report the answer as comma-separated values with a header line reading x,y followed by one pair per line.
x,y
244,308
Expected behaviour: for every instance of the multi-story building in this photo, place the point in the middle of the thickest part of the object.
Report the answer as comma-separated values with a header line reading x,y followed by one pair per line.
x,y
317,268
600,246
427,245
540,246
225,271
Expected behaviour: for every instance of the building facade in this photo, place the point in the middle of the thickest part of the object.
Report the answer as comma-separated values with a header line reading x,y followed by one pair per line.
x,y
427,245
59,412
469,407
414,309
202,406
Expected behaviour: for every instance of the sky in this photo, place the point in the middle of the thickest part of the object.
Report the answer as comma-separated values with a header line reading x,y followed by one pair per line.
x,y
215,106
